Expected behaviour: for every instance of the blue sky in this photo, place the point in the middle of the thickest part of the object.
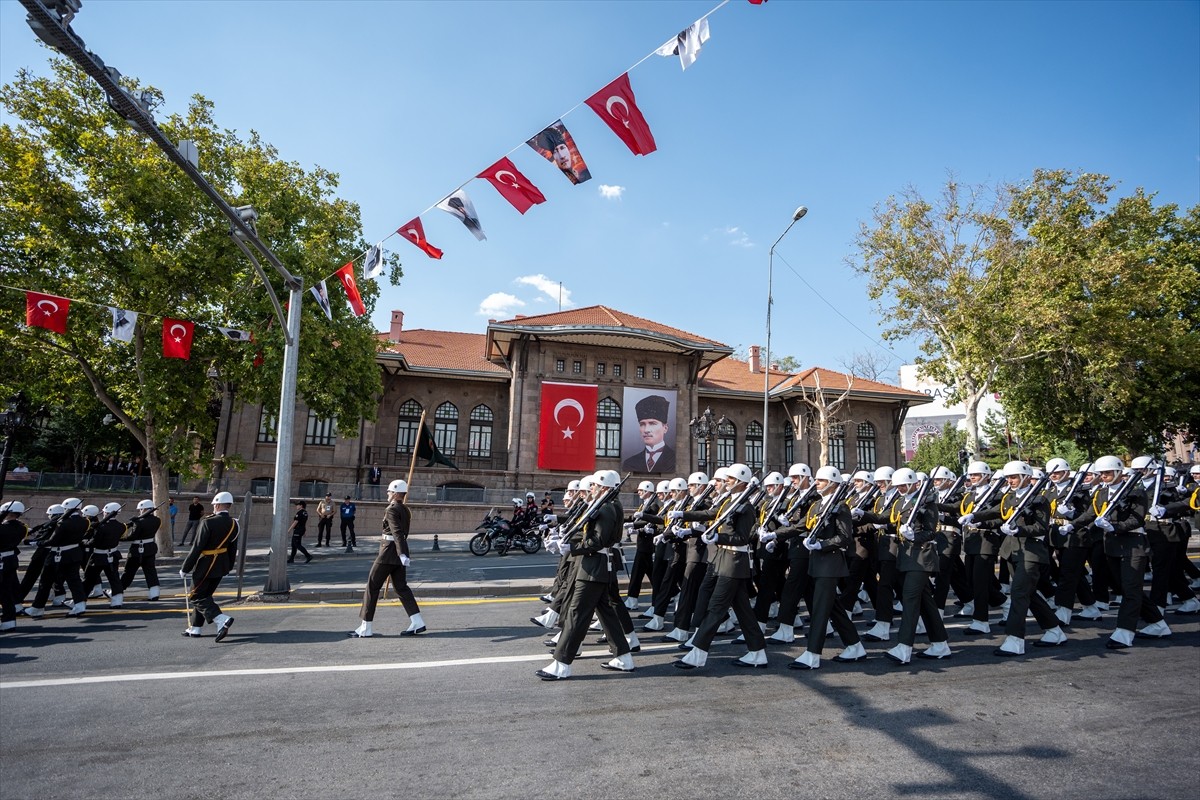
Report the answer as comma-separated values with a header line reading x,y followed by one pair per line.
x,y
833,105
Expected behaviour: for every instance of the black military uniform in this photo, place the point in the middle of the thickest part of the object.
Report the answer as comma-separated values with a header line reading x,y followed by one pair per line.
x,y
826,565
643,555
143,550
772,561
888,581
67,554
917,562
12,534
105,558
796,582
979,548
210,559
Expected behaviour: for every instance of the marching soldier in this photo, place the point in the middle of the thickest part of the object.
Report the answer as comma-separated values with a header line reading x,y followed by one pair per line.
x,y
877,520
143,549
643,556
1072,545
772,562
698,556
980,548
788,535
951,573
37,562
12,534
1176,515
211,558
105,556
65,559
391,562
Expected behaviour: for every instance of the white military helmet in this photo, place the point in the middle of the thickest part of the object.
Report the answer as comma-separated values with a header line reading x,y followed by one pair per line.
x,y
740,473
943,474
829,474
1170,473
665,486
14,507
1017,468
861,475
529,495
225,498
1038,474
721,474
573,486
884,474
90,511
1108,464
586,482
799,471
145,505
112,508
979,468
645,486
1142,462
922,476
1195,469
903,477
1057,465
71,503
774,479
608,478
56,509
677,484
697,479
399,486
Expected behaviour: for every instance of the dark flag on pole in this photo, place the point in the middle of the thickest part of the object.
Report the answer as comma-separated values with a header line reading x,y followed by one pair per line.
x,y
428,449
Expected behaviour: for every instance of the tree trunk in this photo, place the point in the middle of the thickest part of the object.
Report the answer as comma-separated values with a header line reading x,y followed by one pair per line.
x,y
972,396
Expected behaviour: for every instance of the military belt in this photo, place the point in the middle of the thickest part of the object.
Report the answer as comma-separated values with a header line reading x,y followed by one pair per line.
x,y
216,552
741,548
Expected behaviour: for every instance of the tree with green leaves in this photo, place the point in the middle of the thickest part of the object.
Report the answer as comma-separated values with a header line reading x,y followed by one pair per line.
x,y
93,211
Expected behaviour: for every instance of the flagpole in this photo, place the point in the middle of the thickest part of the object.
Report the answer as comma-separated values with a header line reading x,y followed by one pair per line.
x,y
412,464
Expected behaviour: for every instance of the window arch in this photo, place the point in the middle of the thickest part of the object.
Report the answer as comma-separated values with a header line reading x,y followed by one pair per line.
x,y
754,444
445,428
408,418
726,444
608,428
479,438
866,445
837,446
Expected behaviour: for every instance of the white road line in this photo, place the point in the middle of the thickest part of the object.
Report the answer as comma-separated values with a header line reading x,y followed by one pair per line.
x,y
514,566
168,676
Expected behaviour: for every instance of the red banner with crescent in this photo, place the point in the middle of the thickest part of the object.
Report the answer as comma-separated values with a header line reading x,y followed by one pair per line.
x,y
346,276
177,338
46,311
414,231
515,187
616,105
567,434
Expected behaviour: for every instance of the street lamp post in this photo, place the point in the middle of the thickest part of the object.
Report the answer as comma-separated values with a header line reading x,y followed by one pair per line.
x,y
703,426
766,365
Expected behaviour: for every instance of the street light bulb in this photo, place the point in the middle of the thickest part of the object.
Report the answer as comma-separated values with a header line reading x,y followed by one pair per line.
x,y
800,212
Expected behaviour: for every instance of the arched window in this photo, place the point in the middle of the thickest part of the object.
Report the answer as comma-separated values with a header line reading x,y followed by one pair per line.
x,y
406,426
480,437
866,445
445,428
608,429
837,445
726,444
754,445
789,444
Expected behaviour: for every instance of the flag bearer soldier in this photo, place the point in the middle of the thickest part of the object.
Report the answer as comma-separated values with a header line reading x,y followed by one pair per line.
x,y
391,562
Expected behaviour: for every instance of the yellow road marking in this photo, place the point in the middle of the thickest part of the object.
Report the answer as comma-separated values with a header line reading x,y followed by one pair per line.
x,y
284,606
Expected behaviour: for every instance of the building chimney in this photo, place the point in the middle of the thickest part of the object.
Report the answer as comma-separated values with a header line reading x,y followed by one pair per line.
x,y
755,359
397,326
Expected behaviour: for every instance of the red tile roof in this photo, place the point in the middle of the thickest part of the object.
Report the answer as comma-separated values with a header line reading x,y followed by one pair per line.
x,y
733,375
426,349
606,317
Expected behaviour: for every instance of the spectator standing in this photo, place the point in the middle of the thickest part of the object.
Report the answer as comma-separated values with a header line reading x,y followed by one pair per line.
x,y
195,514
347,512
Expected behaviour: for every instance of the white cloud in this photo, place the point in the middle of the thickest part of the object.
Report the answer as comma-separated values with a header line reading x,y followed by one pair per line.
x,y
499,305
738,237
547,287
611,192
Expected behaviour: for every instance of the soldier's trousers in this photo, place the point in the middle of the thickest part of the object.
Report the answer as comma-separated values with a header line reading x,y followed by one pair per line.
x,y
825,609
1071,582
985,588
106,565
379,574
1135,603
588,597
1024,598
643,564
730,593
916,599
204,607
141,556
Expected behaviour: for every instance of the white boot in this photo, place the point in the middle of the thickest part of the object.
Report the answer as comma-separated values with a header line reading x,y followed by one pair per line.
x,y
1120,639
857,610
798,621
59,600
632,603
1013,646
1051,638
77,610
1191,606
1064,615
8,626
1155,630
829,631
968,610
34,612
153,593
547,619
855,652
1101,606
979,627
762,626
192,631
97,592
18,609
678,635
556,637
363,631
116,601
595,626
648,613
655,623
1005,606
774,610
920,627
634,644
785,634
755,658
880,632
620,664
555,671
938,650
1090,612
901,653
807,660
728,625
415,625
694,659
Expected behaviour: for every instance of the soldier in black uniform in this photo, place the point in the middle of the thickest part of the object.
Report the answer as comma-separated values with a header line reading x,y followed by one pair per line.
x,y
391,562
104,557
831,534
697,556
643,533
951,573
1175,513
731,533
143,549
37,562
980,549
772,563
593,544
12,534
787,537
211,558
876,520
67,556
1071,544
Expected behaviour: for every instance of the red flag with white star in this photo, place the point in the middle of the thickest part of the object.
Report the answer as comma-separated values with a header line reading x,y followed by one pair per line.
x,y
177,338
616,105
346,276
512,185
46,311
567,434
414,231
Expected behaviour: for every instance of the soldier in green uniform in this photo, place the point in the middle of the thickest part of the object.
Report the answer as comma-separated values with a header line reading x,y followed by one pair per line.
x,y
391,562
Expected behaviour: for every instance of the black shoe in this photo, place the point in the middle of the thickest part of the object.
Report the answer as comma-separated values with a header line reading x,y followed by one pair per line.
x,y
546,676
223,631
413,632
870,637
973,632
737,662
307,559
923,654
682,665
1113,644
290,560
895,659
842,660
798,665
1005,653
191,635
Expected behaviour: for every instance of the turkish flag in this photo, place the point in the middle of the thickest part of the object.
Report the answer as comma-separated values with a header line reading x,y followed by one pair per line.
x,y
46,311
346,276
567,435
414,231
617,106
515,187
177,338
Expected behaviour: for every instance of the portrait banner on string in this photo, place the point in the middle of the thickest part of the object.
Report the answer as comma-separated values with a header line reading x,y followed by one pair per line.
x,y
648,431
557,146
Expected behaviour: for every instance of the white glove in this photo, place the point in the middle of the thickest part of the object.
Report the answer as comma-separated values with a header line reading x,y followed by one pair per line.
x,y
628,526
405,560
675,515
1066,511
812,544
183,574
771,546
1158,512
550,518
766,536
1008,529
907,532
856,513
660,538
782,519
1065,529
966,519
1103,524
649,528
709,538
638,515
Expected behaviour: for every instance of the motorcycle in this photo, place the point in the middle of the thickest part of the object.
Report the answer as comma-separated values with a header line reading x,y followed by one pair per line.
x,y
496,532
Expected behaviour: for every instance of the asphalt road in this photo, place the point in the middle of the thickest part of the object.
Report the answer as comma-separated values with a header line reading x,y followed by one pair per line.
x,y
118,704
